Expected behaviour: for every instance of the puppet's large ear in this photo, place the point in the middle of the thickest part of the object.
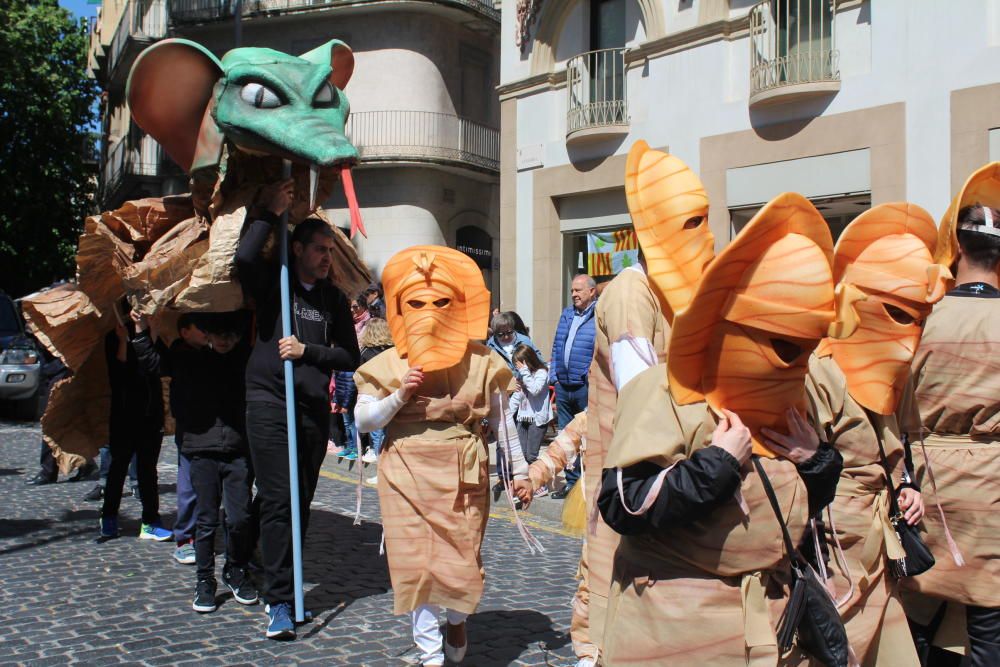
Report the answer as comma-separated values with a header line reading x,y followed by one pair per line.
x,y
169,91
337,55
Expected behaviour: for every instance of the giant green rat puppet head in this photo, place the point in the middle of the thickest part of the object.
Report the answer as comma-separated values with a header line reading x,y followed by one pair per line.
x,y
262,101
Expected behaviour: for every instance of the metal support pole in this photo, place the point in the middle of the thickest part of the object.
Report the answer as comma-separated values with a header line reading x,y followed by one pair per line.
x,y
293,443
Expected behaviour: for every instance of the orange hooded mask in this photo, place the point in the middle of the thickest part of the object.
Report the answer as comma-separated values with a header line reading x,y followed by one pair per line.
x,y
669,209
436,302
884,267
982,187
763,306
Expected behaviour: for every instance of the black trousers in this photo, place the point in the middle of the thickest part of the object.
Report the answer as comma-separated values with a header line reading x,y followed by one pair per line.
x,y
531,434
142,440
983,626
49,466
269,451
225,480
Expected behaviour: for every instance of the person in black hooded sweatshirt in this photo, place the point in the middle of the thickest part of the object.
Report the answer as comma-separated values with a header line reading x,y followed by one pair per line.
x,y
322,341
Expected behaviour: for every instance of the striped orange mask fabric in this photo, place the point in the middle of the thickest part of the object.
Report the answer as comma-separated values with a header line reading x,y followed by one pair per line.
x,y
669,209
763,306
436,302
886,254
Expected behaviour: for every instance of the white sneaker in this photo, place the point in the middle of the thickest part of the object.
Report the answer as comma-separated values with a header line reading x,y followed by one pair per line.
x,y
369,457
541,492
373,480
585,662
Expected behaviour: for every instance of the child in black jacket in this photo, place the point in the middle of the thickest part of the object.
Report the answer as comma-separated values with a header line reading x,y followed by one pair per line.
x,y
208,398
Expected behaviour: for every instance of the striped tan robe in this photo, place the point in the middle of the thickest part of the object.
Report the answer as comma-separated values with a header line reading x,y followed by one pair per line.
x,y
627,309
711,592
433,478
872,612
957,375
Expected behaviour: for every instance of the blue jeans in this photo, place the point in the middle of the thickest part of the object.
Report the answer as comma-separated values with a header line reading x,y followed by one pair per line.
x,y
569,402
350,432
187,501
378,437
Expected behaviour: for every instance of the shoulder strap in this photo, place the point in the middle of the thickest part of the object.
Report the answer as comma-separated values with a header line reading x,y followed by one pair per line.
x,y
873,420
769,490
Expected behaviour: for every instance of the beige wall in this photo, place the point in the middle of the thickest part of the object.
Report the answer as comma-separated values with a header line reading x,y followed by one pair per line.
x,y
508,206
547,243
974,112
881,129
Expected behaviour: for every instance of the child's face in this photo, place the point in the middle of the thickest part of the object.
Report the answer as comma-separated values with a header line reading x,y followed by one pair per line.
x,y
194,336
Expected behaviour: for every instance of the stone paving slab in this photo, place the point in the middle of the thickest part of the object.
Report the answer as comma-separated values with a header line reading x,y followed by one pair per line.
x,y
67,599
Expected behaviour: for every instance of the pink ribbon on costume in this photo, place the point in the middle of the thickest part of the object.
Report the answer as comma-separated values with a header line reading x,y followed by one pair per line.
x,y
505,464
361,478
651,495
956,555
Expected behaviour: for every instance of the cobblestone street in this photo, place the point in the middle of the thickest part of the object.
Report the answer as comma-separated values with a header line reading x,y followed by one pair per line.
x,y
66,598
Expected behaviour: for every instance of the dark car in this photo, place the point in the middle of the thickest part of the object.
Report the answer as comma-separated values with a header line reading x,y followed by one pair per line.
x,y
20,365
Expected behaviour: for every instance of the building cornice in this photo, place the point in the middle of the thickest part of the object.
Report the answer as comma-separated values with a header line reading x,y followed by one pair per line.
x,y
533,84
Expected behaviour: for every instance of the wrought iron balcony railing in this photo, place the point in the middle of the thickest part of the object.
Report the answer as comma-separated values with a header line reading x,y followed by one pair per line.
x,y
201,11
792,47
424,136
143,22
130,158
596,85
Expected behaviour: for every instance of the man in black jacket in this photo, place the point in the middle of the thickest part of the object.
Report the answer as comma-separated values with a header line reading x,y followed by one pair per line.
x,y
322,341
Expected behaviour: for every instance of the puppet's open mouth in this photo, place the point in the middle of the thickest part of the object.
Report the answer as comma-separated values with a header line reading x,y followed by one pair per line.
x,y
331,150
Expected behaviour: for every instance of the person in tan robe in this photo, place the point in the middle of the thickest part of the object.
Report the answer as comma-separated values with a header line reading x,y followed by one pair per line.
x,y
431,398
700,575
669,209
860,394
630,336
957,376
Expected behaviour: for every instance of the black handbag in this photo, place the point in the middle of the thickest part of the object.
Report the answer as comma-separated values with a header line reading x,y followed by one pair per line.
x,y
918,557
810,616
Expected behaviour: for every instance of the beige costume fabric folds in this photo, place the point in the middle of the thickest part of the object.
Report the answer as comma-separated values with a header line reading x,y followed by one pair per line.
x,y
433,477
627,309
868,599
711,592
957,375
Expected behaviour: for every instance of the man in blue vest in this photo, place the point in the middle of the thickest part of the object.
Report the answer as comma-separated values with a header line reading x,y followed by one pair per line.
x,y
572,352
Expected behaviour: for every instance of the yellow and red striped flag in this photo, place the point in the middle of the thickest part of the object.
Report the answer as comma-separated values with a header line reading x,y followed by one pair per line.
x,y
610,252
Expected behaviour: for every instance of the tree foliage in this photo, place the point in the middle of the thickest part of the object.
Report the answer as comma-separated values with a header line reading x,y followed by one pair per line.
x,y
46,111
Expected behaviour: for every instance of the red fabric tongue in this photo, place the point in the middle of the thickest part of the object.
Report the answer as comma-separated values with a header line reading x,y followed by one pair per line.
x,y
352,203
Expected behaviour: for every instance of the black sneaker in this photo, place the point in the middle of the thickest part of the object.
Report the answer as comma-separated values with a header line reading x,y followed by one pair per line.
x,y
204,597
95,493
238,581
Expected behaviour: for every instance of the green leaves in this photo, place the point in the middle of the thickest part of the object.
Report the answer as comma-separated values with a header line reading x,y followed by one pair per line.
x,y
47,112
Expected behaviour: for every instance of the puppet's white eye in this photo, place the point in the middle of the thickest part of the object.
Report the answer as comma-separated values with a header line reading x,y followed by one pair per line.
x,y
324,96
260,96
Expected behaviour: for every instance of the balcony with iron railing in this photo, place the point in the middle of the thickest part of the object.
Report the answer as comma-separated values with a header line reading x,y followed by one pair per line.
x,y
793,51
424,136
204,11
142,23
128,160
597,95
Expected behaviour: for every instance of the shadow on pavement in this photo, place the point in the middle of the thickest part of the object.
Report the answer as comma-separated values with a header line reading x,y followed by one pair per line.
x,y
11,471
342,561
499,637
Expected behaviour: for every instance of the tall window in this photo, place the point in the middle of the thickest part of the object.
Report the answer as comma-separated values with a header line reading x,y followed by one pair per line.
x,y
804,33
